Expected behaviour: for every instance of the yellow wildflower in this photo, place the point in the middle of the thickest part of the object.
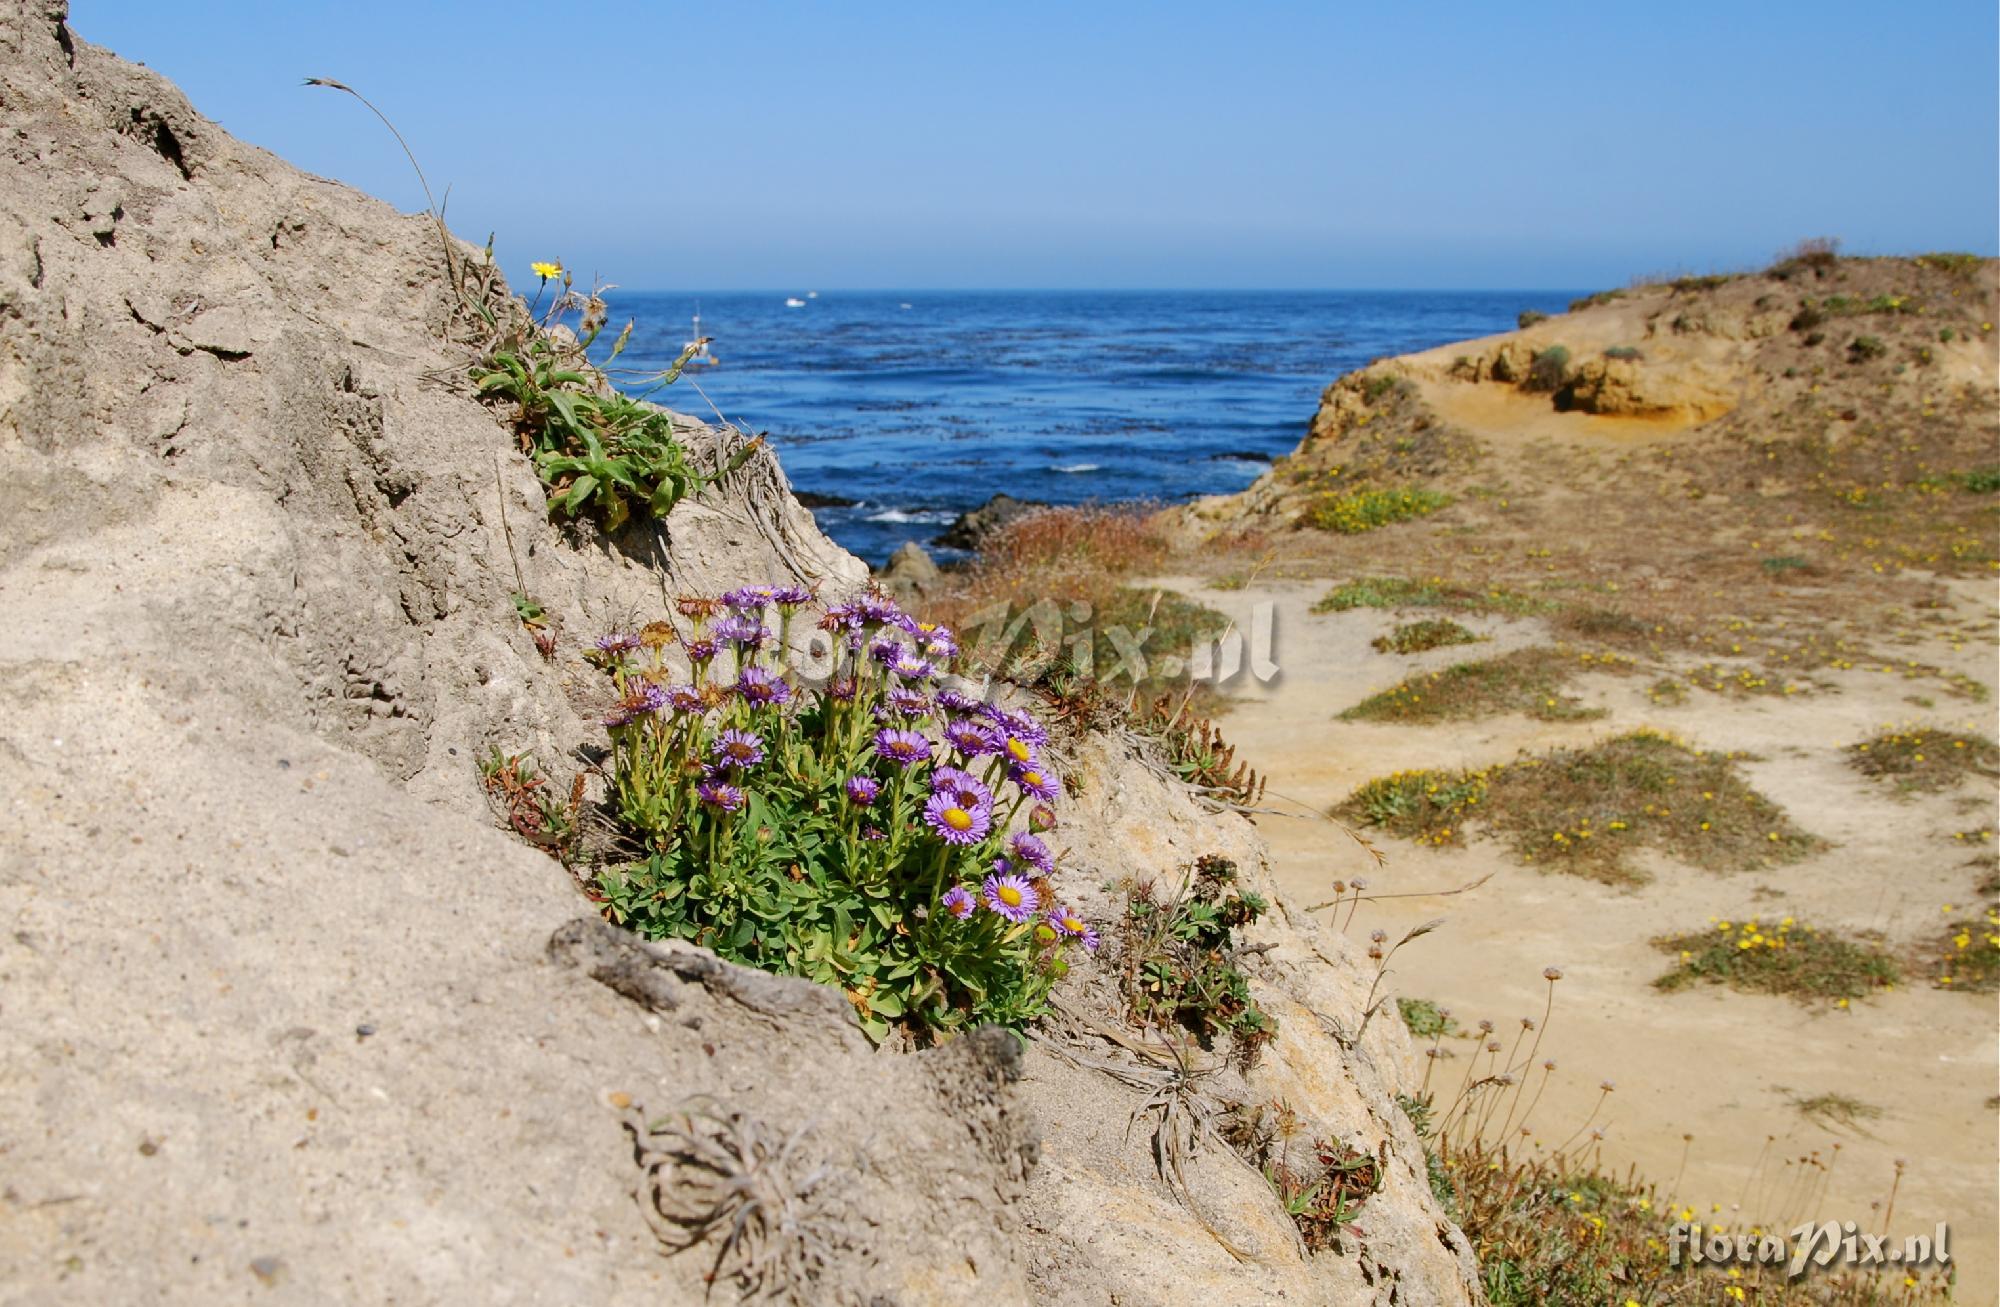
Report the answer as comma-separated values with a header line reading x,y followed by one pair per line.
x,y
546,271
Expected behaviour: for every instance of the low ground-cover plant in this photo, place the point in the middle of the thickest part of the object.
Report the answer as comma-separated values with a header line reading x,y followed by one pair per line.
x,y
870,826
1178,958
1416,637
1527,680
1434,592
1197,752
1562,1229
532,809
602,453
1967,955
1365,510
1785,957
1548,370
1429,807
1918,760
1324,1195
1425,1019
1588,810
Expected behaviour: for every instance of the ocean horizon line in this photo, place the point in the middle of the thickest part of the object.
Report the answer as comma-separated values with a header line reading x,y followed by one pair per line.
x,y
1108,290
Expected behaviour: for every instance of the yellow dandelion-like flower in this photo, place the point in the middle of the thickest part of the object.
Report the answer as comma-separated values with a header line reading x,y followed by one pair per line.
x,y
546,271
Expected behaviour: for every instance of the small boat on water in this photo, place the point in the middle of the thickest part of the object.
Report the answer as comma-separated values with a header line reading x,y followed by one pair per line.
x,y
699,344
794,302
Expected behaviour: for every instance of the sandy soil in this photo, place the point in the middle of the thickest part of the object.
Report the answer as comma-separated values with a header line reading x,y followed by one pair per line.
x,y
1717,1064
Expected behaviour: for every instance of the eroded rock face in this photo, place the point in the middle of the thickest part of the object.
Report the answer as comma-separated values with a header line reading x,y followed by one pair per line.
x,y
285,1013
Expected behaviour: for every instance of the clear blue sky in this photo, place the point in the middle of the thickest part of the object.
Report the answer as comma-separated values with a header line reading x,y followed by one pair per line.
x,y
1120,143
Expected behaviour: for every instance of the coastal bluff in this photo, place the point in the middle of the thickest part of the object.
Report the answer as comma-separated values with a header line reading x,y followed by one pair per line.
x,y
290,1016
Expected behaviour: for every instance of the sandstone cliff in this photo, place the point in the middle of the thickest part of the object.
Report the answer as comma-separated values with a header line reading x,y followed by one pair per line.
x,y
286,1015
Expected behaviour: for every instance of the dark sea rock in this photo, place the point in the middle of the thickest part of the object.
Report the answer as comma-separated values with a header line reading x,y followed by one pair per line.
x,y
813,499
972,528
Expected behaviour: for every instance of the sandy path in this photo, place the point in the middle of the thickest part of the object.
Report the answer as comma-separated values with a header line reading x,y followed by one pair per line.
x,y
1719,1064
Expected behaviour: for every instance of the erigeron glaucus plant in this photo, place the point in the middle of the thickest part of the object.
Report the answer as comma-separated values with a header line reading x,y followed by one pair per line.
x,y
871,827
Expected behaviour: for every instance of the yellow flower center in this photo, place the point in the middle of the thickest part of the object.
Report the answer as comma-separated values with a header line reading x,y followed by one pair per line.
x,y
1009,895
1017,750
1031,778
1072,925
958,819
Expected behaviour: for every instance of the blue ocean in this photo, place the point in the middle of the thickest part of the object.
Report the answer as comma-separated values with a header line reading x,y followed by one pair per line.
x,y
903,410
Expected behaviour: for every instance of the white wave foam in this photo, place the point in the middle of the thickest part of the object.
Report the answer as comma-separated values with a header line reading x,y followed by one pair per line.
x,y
925,515
1074,467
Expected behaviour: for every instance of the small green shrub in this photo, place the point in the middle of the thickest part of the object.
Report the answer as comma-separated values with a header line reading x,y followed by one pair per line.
x,y
796,831
1863,348
1952,261
1920,760
1402,592
1178,958
1784,958
1425,1019
1592,301
1548,370
1416,637
1627,353
1365,510
1527,680
1586,810
1529,317
1980,481
1379,385
1818,255
602,453
1968,955
1784,563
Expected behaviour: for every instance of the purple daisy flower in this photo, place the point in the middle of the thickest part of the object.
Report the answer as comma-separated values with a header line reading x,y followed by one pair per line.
x,y
956,701
939,642
790,596
963,786
746,631
955,824
720,795
748,598
1027,848
734,748
616,643
702,651
641,700
1003,866
863,790
685,699
877,609
759,688
873,834
1070,926
1034,782
912,668
886,652
957,901
971,739
904,748
907,703
842,690
1011,897
1017,751
1026,727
